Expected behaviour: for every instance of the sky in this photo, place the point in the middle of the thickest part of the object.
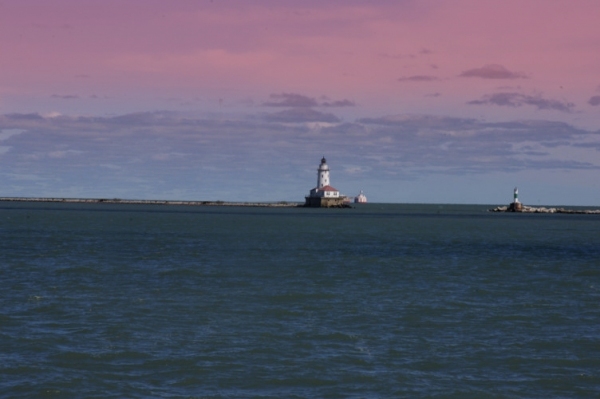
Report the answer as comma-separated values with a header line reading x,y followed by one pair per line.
x,y
410,101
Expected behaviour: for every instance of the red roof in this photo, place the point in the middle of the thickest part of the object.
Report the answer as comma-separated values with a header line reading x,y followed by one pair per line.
x,y
328,188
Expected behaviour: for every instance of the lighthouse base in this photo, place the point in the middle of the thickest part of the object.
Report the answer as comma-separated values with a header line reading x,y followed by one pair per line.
x,y
321,202
515,207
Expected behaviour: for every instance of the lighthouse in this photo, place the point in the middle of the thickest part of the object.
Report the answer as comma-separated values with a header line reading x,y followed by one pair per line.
x,y
360,198
323,174
516,206
324,195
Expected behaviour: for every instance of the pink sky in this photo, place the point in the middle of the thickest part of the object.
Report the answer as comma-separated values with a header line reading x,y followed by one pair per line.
x,y
428,94
202,51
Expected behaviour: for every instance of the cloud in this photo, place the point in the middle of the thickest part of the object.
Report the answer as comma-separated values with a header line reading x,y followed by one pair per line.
x,y
21,117
518,100
413,123
5,134
300,101
301,115
153,153
396,56
492,71
290,100
62,153
65,96
594,101
399,56
338,103
464,145
418,78
595,145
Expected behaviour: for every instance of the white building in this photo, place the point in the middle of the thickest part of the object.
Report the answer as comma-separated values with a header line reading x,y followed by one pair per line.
x,y
360,198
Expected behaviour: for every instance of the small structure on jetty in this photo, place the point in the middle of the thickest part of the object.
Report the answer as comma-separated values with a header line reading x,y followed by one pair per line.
x,y
516,206
360,198
324,195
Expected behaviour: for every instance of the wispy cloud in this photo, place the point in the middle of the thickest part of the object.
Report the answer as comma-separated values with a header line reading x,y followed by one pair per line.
x,y
399,56
338,103
294,100
301,115
65,96
418,78
492,71
7,133
463,145
594,101
290,100
519,100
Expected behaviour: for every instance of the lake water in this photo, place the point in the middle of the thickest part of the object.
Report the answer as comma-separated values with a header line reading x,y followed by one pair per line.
x,y
379,301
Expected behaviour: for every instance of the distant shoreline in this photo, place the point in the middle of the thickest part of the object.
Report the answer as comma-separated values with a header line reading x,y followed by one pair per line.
x,y
280,204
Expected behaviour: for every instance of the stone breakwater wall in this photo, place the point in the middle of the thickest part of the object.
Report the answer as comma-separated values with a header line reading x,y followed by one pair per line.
x,y
531,209
322,202
281,204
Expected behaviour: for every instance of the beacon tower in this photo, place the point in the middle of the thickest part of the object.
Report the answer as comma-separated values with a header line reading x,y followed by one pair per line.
x,y
323,175
516,206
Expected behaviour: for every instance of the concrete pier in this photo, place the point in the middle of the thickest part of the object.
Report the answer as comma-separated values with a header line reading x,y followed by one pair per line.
x,y
280,204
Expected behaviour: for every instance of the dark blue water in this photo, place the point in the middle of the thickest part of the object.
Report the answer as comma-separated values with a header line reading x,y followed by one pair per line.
x,y
114,301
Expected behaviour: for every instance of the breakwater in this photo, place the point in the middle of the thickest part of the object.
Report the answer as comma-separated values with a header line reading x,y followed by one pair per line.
x,y
531,209
280,204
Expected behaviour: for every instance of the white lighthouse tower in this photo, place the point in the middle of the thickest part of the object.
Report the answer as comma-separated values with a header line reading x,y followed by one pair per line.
x,y
323,175
516,196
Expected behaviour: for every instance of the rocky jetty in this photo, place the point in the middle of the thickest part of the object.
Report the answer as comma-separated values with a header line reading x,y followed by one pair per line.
x,y
530,209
